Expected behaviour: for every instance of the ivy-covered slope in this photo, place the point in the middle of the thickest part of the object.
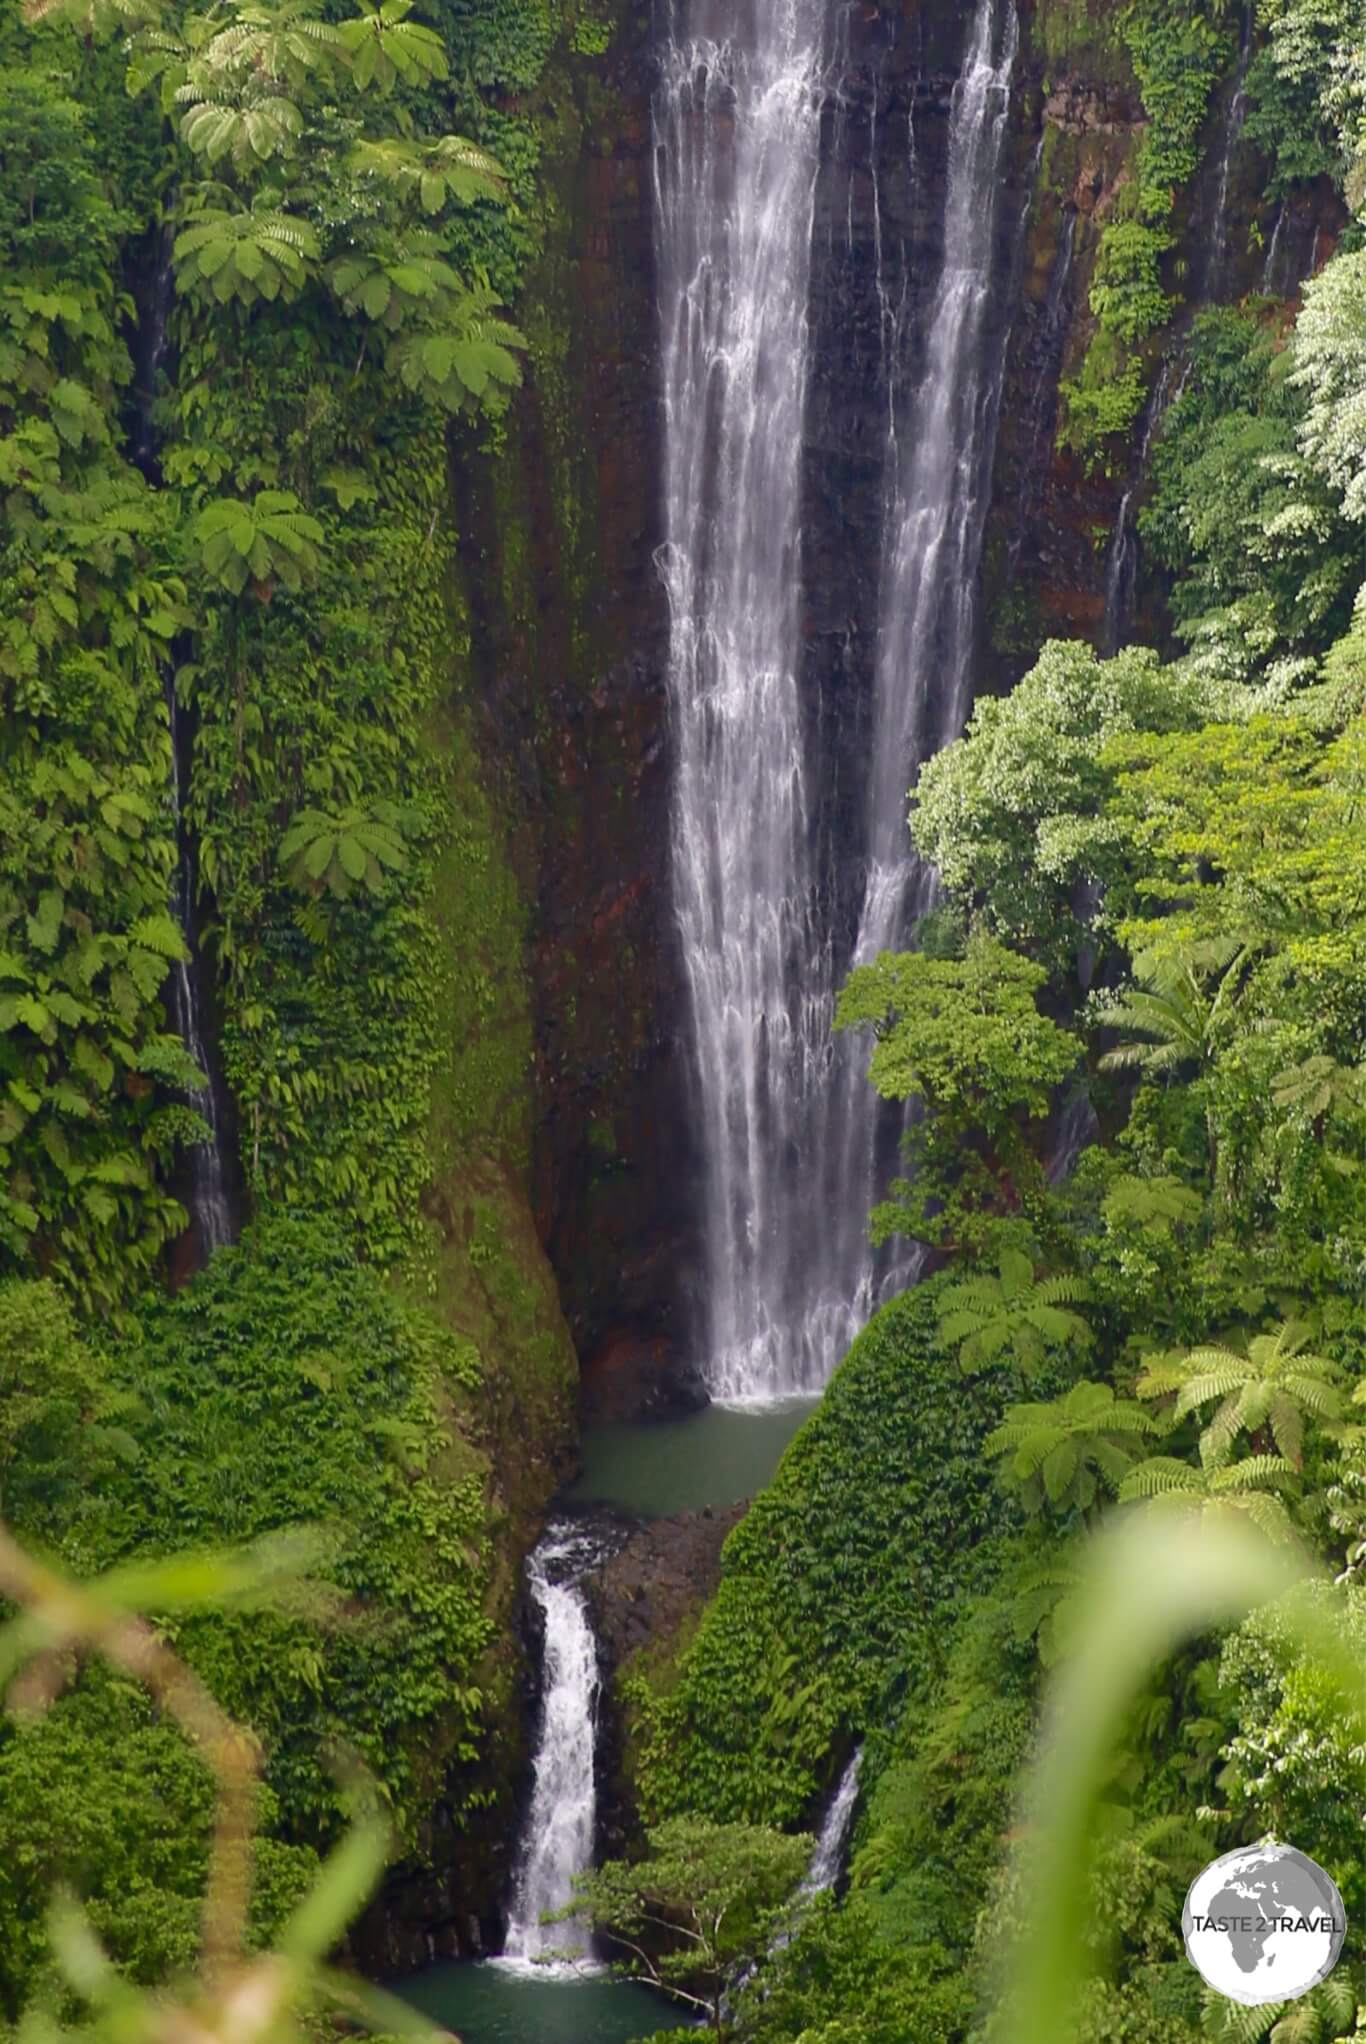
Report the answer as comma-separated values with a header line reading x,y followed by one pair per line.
x,y
839,1587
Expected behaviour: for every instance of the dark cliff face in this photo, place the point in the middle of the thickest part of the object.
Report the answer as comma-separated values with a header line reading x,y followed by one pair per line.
x,y
569,640
568,623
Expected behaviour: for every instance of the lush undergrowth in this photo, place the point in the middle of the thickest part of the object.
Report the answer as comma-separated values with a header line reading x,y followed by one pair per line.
x,y
839,1586
287,1386
252,264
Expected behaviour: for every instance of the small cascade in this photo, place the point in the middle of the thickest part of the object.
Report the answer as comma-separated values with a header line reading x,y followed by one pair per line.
x,y
1121,560
557,1840
207,1186
826,1866
1216,262
1077,1127
827,1861
1273,252
150,347
208,1191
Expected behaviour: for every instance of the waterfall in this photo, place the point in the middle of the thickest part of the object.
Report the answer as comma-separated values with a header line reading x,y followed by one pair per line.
x,y
1236,116
209,1201
1268,283
787,1126
825,1867
940,472
940,490
1121,559
827,1861
738,150
557,1839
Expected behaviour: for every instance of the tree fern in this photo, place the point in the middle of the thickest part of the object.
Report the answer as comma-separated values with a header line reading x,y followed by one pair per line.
x,y
469,360
1013,1313
269,539
434,173
1062,1453
1266,1393
245,255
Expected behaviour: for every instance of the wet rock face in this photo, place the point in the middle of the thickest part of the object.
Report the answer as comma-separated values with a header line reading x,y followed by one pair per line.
x,y
662,1571
653,1586
569,638
635,1376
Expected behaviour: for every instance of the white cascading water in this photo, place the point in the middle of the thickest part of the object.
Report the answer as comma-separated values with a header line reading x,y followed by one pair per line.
x,y
557,1839
738,151
936,513
827,1861
787,1124
938,508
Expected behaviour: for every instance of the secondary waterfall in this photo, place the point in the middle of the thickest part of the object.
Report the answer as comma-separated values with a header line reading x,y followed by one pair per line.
x,y
827,1861
207,1186
557,1840
738,150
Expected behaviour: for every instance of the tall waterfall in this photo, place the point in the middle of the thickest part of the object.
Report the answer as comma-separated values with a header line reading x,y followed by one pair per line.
x,y
938,496
787,1125
940,490
557,1840
738,150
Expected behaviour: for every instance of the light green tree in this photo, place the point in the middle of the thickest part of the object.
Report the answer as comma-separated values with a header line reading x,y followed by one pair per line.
x,y
704,1900
1330,359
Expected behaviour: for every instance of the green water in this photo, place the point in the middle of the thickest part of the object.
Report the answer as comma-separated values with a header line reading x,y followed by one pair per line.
x,y
715,1457
498,2005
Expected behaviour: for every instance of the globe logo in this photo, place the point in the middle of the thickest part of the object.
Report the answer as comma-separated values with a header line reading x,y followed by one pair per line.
x,y
1264,1923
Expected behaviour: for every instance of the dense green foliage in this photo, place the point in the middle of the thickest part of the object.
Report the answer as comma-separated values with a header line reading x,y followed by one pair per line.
x,y
253,262
264,530
1178,52
837,1585
286,1385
